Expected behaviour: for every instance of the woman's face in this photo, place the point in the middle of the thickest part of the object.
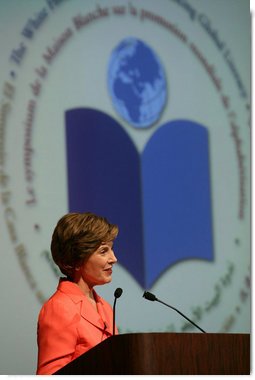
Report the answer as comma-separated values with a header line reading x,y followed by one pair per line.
x,y
97,269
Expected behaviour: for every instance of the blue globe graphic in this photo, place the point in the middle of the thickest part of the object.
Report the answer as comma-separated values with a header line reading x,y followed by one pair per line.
x,y
136,83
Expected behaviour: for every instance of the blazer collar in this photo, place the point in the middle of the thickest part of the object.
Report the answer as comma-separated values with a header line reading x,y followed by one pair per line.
x,y
99,318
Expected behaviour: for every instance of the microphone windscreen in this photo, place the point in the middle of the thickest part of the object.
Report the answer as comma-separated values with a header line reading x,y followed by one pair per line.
x,y
149,296
118,292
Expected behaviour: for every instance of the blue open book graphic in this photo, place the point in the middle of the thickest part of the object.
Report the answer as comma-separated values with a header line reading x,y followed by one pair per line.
x,y
160,199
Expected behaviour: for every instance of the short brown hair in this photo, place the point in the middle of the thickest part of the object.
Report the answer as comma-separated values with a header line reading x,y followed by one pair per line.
x,y
76,236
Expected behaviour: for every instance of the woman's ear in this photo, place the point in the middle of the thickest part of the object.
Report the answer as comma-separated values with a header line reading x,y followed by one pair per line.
x,y
76,272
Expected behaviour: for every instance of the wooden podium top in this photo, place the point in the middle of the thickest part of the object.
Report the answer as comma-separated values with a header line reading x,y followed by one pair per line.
x,y
165,353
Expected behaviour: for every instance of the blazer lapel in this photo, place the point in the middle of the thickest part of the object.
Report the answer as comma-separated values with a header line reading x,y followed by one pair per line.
x,y
91,315
98,319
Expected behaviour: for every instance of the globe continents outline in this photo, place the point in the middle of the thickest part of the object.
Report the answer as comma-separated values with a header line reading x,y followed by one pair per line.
x,y
136,83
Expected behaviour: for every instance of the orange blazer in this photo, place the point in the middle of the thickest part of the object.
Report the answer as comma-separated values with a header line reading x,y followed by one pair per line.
x,y
68,326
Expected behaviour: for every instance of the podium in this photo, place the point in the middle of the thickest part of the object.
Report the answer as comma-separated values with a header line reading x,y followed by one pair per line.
x,y
165,354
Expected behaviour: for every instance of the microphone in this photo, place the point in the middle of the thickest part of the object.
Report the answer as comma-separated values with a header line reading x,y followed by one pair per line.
x,y
151,297
117,294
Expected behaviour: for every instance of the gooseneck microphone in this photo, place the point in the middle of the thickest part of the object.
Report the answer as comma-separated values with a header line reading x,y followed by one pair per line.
x,y
117,294
151,297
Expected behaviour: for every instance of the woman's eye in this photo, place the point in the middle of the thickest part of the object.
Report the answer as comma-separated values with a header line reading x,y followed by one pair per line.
x,y
105,249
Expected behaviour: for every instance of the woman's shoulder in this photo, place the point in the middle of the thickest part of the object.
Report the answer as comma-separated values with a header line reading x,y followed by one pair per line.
x,y
63,300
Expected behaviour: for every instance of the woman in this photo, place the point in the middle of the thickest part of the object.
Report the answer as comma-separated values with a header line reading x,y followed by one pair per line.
x,y
76,318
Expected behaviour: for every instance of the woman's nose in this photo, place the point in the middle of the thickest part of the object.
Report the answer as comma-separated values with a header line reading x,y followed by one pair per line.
x,y
113,258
